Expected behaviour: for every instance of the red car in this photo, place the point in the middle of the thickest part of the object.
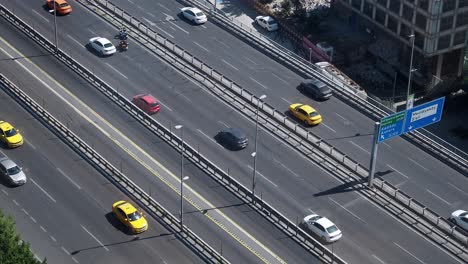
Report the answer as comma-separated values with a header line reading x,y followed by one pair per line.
x,y
147,103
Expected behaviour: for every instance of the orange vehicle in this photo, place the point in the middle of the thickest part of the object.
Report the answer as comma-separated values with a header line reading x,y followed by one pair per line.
x,y
62,6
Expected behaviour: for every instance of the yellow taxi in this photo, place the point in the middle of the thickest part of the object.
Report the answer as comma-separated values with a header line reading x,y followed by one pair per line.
x,y
306,114
9,135
130,217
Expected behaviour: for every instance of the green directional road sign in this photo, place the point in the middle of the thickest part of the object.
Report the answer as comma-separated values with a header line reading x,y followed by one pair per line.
x,y
391,126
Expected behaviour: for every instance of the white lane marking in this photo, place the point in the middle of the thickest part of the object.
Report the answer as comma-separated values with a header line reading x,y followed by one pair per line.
x,y
377,258
286,100
165,106
151,14
37,257
251,61
76,41
74,259
418,164
386,144
66,176
201,46
24,211
279,78
203,26
460,190
229,64
53,238
284,166
163,6
117,71
222,43
65,250
409,253
174,24
361,148
43,229
442,199
208,137
156,26
183,95
334,131
347,210
95,238
310,210
46,193
94,33
250,167
15,202
131,1
5,192
32,219
340,116
41,16
31,145
224,124
398,171
258,83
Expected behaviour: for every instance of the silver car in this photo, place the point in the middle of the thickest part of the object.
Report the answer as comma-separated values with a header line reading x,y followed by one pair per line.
x,y
11,171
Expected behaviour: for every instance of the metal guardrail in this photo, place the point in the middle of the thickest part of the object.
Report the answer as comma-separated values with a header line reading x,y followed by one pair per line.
x,y
441,231
272,215
162,215
430,142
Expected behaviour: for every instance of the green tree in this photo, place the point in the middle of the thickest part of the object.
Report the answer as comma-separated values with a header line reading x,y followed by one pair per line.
x,y
12,249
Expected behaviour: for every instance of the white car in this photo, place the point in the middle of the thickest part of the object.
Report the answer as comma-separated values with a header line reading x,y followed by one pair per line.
x,y
194,14
267,22
322,227
460,218
102,45
12,172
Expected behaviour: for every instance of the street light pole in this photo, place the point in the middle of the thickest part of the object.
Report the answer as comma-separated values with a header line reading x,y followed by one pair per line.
x,y
55,25
181,127
254,154
410,72
182,201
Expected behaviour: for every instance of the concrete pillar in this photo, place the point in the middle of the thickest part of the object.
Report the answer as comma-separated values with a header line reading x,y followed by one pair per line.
x,y
440,59
461,61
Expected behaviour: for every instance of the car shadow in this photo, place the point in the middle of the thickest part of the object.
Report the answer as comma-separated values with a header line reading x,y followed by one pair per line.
x,y
112,219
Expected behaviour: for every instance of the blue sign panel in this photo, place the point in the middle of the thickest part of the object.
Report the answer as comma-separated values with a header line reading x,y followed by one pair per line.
x,y
411,119
391,126
423,115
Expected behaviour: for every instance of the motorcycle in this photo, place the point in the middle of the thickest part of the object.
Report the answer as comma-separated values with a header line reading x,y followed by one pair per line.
x,y
123,34
123,45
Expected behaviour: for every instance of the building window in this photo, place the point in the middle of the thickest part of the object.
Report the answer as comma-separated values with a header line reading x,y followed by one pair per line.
x,y
368,9
423,4
421,21
462,19
462,3
444,42
395,6
419,40
383,3
356,4
392,24
446,23
448,5
380,16
405,31
408,13
459,37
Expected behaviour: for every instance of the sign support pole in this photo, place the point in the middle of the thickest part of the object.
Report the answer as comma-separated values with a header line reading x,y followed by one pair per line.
x,y
375,144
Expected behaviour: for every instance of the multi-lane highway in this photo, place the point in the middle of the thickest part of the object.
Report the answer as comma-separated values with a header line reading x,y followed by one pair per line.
x,y
293,184
64,210
121,150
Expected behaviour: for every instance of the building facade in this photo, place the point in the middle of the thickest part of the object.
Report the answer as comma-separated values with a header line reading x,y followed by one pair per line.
x,y
439,29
